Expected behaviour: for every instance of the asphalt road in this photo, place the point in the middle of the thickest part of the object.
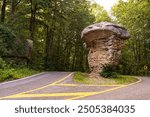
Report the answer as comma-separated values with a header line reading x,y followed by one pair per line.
x,y
59,86
139,91
29,83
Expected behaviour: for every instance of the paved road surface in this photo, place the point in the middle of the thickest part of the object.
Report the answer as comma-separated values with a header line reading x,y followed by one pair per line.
x,y
59,86
26,84
139,91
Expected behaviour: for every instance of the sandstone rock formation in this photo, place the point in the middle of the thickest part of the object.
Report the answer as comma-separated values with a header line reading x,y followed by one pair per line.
x,y
104,41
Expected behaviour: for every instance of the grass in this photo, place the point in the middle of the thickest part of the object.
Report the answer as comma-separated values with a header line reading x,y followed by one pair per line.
x,y
15,73
122,79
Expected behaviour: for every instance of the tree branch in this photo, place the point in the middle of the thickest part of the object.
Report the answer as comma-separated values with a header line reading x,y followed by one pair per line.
x,y
18,3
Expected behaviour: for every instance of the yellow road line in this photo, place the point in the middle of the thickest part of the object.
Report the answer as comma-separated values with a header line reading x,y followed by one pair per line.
x,y
76,94
52,84
58,81
50,95
95,93
82,85
104,91
71,85
78,97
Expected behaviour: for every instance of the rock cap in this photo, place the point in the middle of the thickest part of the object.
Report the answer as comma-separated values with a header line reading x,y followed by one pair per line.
x,y
103,30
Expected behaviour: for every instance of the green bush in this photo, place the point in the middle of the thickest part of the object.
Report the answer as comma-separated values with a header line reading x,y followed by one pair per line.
x,y
10,44
9,73
109,71
2,63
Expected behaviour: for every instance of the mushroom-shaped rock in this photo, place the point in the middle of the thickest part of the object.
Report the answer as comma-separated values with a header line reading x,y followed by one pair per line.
x,y
105,41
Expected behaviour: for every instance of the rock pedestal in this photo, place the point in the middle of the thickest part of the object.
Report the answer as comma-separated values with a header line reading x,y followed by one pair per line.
x,y
104,41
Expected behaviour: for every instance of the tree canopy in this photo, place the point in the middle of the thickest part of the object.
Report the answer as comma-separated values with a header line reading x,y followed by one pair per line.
x,y
134,14
55,26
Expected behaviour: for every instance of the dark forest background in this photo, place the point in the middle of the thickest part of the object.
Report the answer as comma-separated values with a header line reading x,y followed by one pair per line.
x,y
46,34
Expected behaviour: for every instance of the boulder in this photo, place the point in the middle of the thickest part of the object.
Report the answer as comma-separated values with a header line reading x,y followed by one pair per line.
x,y
104,41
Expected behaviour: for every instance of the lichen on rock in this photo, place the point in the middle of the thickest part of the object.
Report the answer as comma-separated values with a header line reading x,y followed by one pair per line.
x,y
104,41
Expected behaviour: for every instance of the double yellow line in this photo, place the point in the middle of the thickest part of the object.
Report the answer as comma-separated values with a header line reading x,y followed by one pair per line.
x,y
75,95
105,91
36,89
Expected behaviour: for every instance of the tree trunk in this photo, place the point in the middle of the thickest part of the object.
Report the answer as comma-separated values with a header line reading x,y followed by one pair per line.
x,y
3,11
32,20
12,9
48,44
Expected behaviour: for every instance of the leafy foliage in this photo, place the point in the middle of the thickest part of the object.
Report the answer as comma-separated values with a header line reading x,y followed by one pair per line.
x,y
9,44
2,63
134,15
9,73
109,71
100,13
55,28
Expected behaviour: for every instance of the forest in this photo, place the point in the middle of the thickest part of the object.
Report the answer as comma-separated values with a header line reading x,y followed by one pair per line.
x,y
45,35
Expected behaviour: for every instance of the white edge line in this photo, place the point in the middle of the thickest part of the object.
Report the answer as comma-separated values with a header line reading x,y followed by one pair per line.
x,y
3,83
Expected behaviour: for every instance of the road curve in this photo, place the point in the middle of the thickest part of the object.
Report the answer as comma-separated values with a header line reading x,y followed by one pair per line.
x,y
59,86
139,91
30,83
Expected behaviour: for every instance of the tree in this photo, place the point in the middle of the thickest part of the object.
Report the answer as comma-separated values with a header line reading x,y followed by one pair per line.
x,y
100,13
55,27
3,10
136,53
